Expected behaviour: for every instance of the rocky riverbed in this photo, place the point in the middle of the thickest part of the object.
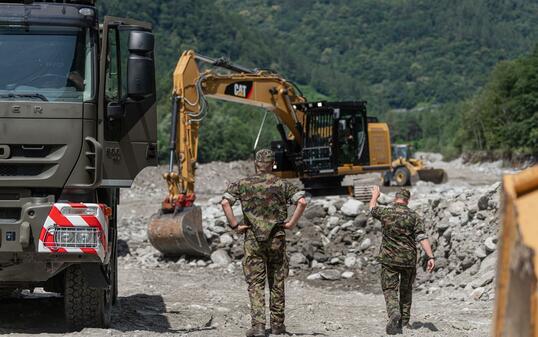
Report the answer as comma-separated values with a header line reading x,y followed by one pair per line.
x,y
334,285
336,241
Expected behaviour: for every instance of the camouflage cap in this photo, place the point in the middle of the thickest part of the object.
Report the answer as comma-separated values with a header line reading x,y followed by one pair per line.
x,y
265,155
403,193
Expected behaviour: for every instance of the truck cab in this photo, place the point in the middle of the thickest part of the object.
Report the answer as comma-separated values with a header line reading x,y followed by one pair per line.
x,y
77,122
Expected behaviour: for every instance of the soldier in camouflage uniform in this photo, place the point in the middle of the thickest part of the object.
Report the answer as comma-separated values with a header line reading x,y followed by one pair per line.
x,y
402,229
264,199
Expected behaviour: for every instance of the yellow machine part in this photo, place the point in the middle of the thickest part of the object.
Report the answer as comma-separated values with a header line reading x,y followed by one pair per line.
x,y
418,171
516,307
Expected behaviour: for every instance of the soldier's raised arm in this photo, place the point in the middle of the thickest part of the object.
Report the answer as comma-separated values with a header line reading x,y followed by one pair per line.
x,y
374,211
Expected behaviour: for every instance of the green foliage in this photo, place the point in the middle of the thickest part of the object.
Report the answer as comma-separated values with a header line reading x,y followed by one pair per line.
x,y
394,54
230,134
431,128
408,54
504,114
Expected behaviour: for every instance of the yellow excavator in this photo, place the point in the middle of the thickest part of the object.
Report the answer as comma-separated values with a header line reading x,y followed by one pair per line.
x,y
320,142
516,307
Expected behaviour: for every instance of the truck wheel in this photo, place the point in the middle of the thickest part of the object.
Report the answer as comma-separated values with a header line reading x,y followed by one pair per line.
x,y
85,306
402,176
8,292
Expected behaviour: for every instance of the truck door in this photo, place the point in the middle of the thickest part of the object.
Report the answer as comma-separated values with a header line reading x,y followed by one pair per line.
x,y
127,109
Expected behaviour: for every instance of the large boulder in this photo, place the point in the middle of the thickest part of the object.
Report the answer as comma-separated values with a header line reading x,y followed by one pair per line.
x,y
491,244
332,221
330,274
483,202
298,260
360,220
221,258
226,239
315,211
480,252
457,208
350,261
352,207
365,244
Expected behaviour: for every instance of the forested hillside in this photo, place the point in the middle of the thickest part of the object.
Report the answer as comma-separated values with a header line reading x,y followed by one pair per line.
x,y
427,56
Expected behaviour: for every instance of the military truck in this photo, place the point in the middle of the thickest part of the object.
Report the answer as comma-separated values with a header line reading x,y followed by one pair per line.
x,y
77,123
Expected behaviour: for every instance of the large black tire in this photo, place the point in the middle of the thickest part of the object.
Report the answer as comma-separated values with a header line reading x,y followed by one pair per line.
x,y
8,293
85,306
402,176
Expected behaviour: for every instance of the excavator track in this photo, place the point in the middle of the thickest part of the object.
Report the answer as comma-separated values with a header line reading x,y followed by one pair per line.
x,y
362,188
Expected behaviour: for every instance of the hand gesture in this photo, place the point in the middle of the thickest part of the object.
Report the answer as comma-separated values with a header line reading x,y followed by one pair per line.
x,y
375,192
288,226
241,228
431,265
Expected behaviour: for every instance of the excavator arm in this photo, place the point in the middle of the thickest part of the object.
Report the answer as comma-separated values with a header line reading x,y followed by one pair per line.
x,y
177,229
239,85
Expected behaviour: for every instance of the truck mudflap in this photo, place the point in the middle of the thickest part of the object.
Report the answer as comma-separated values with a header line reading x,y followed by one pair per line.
x,y
76,228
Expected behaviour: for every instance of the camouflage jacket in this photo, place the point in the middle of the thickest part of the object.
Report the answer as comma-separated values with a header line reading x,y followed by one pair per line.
x,y
402,229
264,199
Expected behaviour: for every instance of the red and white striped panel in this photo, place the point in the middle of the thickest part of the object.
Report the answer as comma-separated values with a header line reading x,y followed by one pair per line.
x,y
58,219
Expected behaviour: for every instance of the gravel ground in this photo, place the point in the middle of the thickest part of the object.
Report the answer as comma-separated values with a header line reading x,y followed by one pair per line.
x,y
181,298
214,303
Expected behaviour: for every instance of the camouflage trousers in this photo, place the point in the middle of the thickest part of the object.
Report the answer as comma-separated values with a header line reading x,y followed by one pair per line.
x,y
266,260
398,280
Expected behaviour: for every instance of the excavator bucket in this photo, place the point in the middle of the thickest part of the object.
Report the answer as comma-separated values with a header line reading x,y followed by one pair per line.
x,y
180,233
436,176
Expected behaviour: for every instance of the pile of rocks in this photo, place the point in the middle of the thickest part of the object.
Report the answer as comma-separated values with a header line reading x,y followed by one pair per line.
x,y
337,241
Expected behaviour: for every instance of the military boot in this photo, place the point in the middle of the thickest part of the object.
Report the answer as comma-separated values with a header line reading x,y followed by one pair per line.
x,y
278,329
257,330
405,325
394,324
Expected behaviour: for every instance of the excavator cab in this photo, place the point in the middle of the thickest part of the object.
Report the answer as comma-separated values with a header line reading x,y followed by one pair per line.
x,y
335,141
336,135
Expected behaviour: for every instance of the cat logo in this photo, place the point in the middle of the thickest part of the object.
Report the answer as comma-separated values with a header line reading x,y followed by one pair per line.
x,y
241,89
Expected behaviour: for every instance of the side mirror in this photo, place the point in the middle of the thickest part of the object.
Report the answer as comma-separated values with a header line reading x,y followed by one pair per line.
x,y
141,65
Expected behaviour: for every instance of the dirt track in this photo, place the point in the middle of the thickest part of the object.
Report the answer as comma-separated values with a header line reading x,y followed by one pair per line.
x,y
214,303
195,302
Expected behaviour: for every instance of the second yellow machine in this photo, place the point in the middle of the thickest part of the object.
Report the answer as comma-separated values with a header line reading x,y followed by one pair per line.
x,y
320,142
